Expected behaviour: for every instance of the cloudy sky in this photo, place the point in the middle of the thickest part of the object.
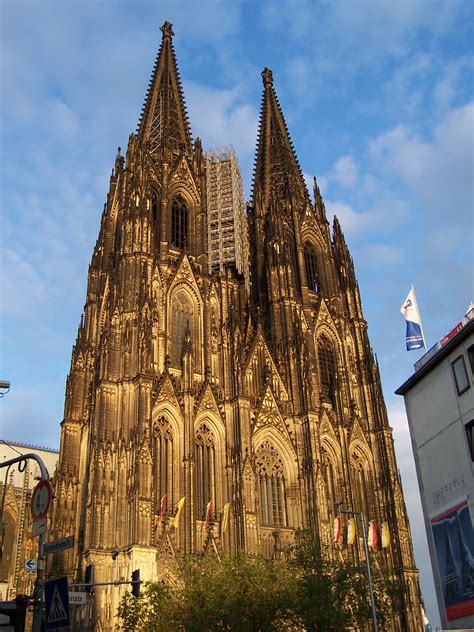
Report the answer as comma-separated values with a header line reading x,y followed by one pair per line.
x,y
379,101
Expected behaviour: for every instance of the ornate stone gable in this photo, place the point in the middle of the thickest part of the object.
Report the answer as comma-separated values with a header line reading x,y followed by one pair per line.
x,y
207,402
357,435
269,414
164,391
185,274
182,175
259,350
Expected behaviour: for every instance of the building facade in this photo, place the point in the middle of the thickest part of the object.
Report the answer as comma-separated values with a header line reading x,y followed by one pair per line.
x,y
17,545
189,382
439,399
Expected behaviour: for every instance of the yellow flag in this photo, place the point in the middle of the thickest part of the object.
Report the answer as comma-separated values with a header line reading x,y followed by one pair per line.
x,y
385,535
351,530
175,520
225,518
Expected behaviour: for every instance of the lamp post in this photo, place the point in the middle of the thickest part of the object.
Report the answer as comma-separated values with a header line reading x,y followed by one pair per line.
x,y
350,512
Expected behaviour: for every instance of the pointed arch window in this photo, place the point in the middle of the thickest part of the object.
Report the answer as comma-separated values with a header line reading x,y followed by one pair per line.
x,y
7,562
205,480
154,207
311,267
182,315
179,223
271,487
360,486
327,368
164,457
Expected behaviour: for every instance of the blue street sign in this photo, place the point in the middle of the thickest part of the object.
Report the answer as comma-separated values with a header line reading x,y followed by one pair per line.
x,y
56,601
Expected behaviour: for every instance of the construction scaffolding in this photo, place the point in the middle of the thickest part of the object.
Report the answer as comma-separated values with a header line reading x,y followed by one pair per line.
x,y
227,221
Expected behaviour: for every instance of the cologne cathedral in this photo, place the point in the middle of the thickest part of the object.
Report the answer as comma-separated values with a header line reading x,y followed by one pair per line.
x,y
222,368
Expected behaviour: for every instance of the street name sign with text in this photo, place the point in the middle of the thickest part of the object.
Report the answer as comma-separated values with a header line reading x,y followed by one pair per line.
x,y
58,545
78,598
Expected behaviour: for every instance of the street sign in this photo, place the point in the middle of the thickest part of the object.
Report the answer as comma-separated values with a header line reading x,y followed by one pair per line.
x,y
58,545
30,565
41,499
38,527
56,603
78,598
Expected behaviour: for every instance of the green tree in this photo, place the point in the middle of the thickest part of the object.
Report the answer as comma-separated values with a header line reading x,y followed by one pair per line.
x,y
307,590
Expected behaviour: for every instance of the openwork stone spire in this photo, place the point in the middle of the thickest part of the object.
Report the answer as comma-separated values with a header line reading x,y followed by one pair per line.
x,y
164,119
277,170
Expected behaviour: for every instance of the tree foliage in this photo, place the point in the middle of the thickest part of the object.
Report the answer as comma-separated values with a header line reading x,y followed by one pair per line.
x,y
307,590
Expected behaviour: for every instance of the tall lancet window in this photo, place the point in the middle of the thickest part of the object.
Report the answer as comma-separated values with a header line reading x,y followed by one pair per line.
x,y
181,318
311,267
179,223
327,368
164,461
360,486
328,471
271,486
205,479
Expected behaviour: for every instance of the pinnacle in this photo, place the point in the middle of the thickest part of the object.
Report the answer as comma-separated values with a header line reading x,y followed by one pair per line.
x,y
167,29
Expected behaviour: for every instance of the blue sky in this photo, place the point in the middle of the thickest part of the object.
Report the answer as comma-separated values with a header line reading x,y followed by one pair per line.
x,y
379,102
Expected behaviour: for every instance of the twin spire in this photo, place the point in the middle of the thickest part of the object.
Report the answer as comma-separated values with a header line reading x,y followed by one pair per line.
x,y
164,119
164,122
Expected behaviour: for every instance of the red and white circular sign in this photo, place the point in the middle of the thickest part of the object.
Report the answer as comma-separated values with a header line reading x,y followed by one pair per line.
x,y
41,499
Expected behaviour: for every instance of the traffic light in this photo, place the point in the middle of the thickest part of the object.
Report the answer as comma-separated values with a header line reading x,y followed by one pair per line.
x,y
136,583
89,578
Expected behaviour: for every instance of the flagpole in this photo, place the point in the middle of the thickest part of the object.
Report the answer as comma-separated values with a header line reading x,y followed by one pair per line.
x,y
419,318
339,507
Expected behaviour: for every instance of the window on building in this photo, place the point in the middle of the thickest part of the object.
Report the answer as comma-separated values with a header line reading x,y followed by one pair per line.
x,y
164,461
311,267
327,368
205,481
272,487
154,207
460,374
328,472
470,437
470,355
179,223
360,487
181,317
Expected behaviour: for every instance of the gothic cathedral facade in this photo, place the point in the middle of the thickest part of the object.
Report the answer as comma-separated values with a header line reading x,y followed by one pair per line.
x,y
255,387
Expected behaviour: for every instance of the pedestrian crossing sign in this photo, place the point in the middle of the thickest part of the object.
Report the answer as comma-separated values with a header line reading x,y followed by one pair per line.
x,y
56,601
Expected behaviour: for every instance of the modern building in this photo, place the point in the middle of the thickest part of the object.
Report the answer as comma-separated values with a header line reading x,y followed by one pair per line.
x,y
439,399
17,545
190,385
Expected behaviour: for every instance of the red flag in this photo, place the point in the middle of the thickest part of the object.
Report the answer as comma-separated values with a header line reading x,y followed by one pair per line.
x,y
162,510
373,538
208,513
337,529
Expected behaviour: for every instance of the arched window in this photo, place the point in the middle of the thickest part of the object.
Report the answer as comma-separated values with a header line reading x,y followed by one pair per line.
x,y
154,207
179,223
164,461
311,267
327,368
272,486
181,317
360,486
205,480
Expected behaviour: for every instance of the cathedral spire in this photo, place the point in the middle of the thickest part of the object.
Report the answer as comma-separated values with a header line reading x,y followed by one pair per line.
x,y
164,120
276,167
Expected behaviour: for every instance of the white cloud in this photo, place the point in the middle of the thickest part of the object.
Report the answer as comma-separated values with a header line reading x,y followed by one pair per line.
x,y
440,171
221,117
345,171
23,289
